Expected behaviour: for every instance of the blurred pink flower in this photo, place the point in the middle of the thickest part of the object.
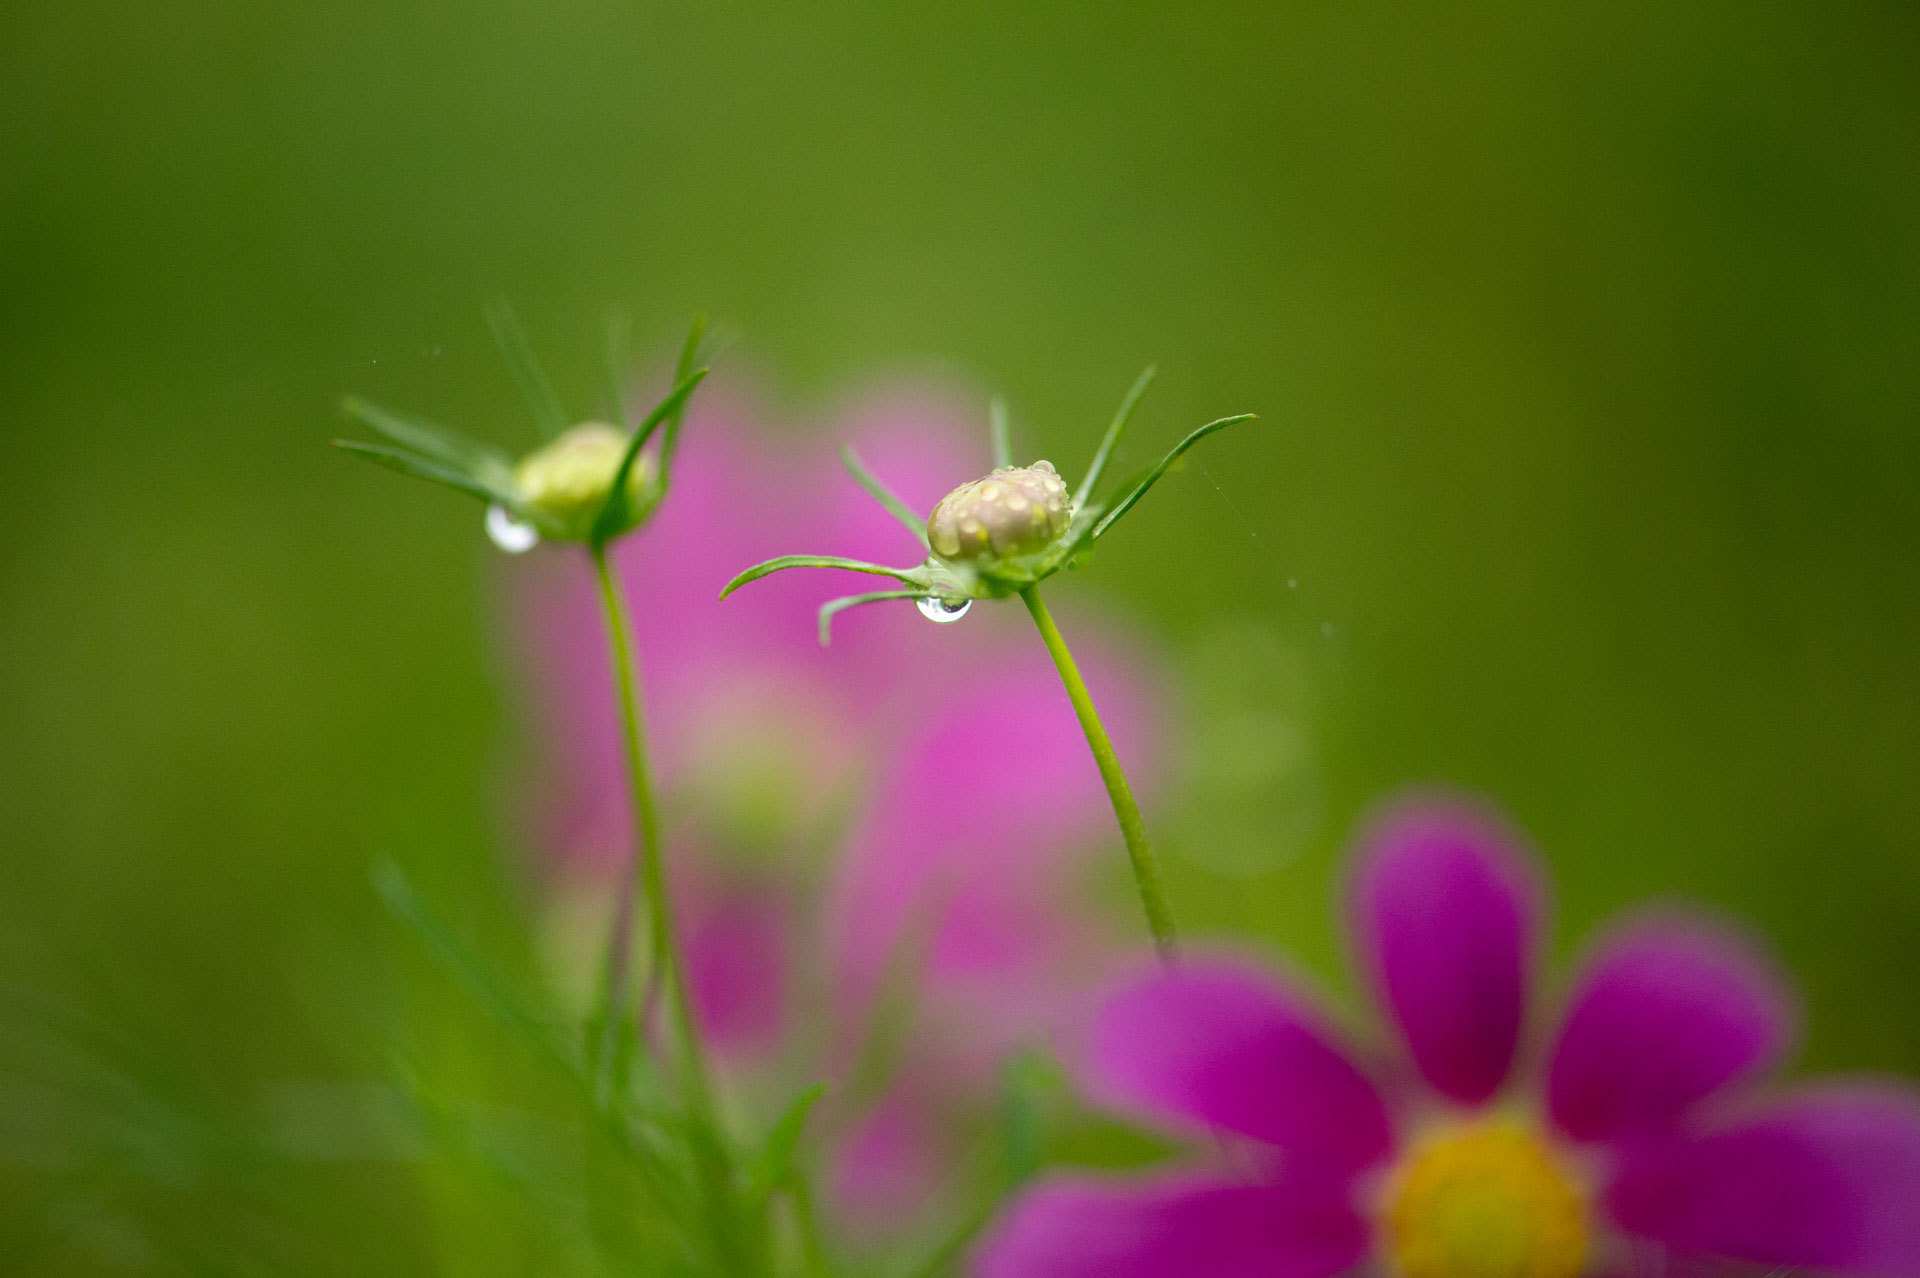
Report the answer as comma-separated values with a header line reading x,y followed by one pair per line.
x,y
914,799
1642,1148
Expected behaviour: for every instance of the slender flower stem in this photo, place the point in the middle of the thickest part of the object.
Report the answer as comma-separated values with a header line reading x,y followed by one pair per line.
x,y
1146,869
650,879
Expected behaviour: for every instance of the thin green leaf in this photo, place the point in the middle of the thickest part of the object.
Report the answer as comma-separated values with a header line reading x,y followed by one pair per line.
x,y
1112,436
461,964
432,440
525,367
1000,433
689,356
834,606
432,471
613,513
619,353
1025,1083
912,576
1139,490
771,1168
878,490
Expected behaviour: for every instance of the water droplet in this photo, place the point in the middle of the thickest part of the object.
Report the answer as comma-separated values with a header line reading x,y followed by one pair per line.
x,y
1326,630
1293,583
510,534
941,611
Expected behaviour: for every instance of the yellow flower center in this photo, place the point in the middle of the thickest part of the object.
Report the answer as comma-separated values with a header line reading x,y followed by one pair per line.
x,y
1485,1200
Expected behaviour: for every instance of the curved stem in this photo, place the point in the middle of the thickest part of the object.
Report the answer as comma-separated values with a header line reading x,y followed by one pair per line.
x,y
650,878
1146,869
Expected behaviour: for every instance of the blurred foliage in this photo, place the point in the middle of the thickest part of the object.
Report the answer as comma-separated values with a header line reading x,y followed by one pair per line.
x,y
1584,340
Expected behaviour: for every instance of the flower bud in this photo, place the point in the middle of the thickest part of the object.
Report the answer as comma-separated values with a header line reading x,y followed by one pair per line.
x,y
568,480
1014,511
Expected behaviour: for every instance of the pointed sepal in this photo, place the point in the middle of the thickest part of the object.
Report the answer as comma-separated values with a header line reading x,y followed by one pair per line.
x,y
912,576
877,489
1139,490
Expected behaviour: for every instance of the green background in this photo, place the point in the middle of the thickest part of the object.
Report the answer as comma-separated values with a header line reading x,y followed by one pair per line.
x,y
1586,341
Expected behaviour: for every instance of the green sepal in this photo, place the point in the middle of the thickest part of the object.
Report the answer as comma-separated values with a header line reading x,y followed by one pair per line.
x,y
844,602
538,392
432,440
1139,490
1112,437
999,432
434,472
619,353
878,490
620,513
689,357
912,576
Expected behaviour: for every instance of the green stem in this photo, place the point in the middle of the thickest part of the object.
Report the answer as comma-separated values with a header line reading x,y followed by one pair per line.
x,y
650,878
1146,869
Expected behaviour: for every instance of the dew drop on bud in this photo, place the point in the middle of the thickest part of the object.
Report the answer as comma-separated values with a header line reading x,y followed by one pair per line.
x,y
510,534
941,611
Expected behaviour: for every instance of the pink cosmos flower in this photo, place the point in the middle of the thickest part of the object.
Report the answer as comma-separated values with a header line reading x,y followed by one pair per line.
x,y
1640,1140
915,798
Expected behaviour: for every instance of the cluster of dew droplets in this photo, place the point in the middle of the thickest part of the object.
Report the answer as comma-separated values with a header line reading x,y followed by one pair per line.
x,y
934,608
515,536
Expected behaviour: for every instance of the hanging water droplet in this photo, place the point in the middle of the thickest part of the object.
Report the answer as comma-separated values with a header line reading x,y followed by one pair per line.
x,y
942,611
510,534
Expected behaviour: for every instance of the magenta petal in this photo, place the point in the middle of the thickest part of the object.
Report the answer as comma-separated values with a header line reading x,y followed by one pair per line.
x,y
736,954
888,1165
1667,1012
1445,914
1829,1178
1220,1045
1175,1227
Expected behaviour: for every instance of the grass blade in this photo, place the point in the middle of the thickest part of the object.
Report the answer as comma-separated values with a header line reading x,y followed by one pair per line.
x,y
526,370
1139,490
878,490
771,1168
1112,436
462,965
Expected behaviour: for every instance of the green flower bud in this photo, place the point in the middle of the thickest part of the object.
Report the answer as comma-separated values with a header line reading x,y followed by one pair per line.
x,y
569,479
1014,511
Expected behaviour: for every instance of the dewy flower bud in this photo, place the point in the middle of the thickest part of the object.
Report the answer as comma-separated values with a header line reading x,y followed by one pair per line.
x,y
570,478
1014,511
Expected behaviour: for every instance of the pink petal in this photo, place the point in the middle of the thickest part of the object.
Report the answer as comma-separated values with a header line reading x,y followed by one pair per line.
x,y
1668,1012
1444,909
991,799
1173,1227
1828,1178
737,955
887,1166
1220,1045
